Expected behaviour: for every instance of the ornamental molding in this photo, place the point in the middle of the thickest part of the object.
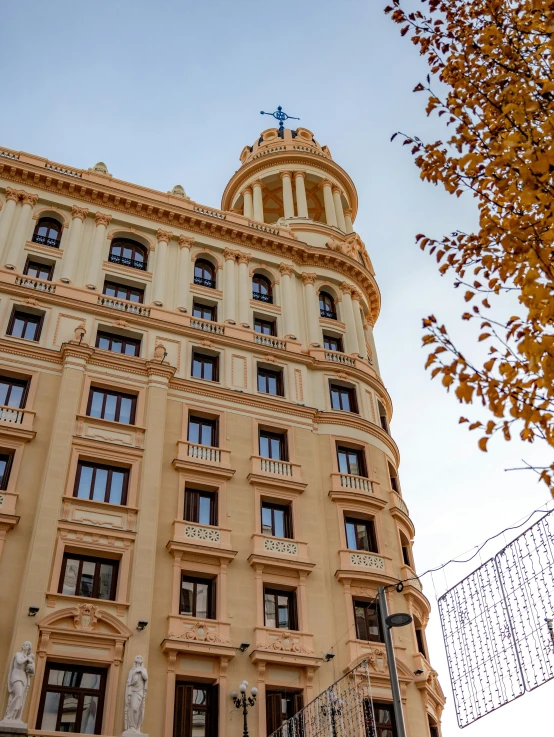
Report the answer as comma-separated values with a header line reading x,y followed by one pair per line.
x,y
27,198
12,194
286,269
186,241
79,213
199,632
103,218
163,235
287,643
308,278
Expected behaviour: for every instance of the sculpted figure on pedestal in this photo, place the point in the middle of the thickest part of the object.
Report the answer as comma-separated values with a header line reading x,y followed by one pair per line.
x,y
19,679
135,697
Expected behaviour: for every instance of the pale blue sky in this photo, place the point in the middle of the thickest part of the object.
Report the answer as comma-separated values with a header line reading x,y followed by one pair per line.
x,y
170,92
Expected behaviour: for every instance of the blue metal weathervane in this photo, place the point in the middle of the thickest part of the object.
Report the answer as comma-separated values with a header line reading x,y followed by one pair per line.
x,y
281,117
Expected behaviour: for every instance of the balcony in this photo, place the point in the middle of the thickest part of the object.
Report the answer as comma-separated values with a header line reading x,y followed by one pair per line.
x,y
107,431
362,561
214,461
208,326
285,647
133,263
342,360
267,298
328,314
16,421
198,636
347,487
280,552
400,512
44,241
209,283
40,285
99,514
204,535
270,472
269,341
123,305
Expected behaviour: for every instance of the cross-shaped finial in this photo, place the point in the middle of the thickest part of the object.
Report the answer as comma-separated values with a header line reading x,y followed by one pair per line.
x,y
281,117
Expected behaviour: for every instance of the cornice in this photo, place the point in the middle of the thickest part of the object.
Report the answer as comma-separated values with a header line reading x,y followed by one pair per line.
x,y
350,420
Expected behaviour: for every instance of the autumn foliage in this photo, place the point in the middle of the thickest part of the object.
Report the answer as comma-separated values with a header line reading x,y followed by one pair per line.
x,y
491,62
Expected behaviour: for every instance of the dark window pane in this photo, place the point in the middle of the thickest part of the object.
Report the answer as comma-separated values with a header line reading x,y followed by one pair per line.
x,y
87,578
105,583
100,483
110,407
267,521
279,516
187,592
205,510
69,584
50,711
126,409
85,482
96,404
117,486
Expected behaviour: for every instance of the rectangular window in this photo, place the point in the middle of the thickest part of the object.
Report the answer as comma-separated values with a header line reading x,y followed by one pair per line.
x,y
197,597
25,325
273,445
118,344
196,710
276,520
280,609
13,392
204,312
343,398
200,506
351,461
420,641
384,720
122,291
433,729
114,406
332,344
101,483
360,534
94,578
368,624
406,555
202,431
72,699
383,417
280,706
205,367
37,270
6,460
265,327
270,382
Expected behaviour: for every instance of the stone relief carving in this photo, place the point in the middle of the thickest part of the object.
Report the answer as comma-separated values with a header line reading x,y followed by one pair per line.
x,y
199,632
285,643
280,546
85,617
367,561
202,533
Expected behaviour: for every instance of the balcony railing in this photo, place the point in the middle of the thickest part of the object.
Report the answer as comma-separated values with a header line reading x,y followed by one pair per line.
x,y
269,341
329,314
210,283
397,501
283,468
204,452
338,357
124,261
124,305
44,241
349,481
11,414
41,285
262,297
207,326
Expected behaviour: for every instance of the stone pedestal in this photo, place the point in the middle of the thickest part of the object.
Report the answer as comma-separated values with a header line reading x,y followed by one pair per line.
x,y
13,728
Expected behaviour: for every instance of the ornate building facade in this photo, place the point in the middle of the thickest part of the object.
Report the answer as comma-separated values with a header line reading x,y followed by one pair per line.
x,y
195,454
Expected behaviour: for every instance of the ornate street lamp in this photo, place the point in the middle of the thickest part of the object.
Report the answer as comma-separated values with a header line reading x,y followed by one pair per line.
x,y
242,701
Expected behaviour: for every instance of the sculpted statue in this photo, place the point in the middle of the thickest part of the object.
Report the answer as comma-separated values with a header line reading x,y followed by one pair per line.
x,y
135,696
19,679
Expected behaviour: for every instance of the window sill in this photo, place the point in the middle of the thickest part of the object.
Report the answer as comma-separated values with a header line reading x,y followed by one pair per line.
x,y
199,636
284,646
275,473
119,608
109,431
99,514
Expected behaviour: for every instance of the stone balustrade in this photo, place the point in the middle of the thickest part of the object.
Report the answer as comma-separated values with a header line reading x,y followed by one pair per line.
x,y
207,326
360,561
197,534
41,285
124,305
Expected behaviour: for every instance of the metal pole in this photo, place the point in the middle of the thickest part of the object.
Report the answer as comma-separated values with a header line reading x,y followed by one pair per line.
x,y
245,715
393,673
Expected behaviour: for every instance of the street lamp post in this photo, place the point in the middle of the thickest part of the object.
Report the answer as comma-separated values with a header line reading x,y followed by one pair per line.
x,y
242,701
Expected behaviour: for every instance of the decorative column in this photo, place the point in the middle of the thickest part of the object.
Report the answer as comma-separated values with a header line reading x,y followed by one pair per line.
x,y
183,271
258,202
362,350
312,308
339,212
71,251
248,207
28,201
245,291
330,215
348,316
97,247
230,292
348,221
288,202
159,285
289,311
301,201
12,196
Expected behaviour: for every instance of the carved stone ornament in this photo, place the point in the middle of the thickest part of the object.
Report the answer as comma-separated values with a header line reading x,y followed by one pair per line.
x,y
85,617
377,659
102,218
80,332
186,241
159,351
135,697
100,168
179,191
12,194
346,288
22,668
199,633
164,235
285,643
29,199
286,269
229,254
244,258
79,212
308,278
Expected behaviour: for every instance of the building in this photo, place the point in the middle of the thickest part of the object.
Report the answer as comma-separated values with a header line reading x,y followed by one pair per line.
x,y
195,448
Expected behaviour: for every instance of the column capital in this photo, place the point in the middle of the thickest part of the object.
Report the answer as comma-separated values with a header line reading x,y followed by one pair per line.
x,y
244,258
229,254
355,294
256,183
29,199
247,190
299,173
308,278
186,241
79,213
101,218
12,194
336,188
284,174
347,288
325,183
163,235
348,212
286,269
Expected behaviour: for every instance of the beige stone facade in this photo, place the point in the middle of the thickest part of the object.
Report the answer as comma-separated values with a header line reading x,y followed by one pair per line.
x,y
194,430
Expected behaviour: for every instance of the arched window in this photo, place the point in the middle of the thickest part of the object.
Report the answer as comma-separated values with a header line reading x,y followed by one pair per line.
x,y
128,253
327,306
204,273
48,232
261,288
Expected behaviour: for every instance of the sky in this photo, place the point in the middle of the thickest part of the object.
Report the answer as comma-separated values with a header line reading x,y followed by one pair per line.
x,y
169,92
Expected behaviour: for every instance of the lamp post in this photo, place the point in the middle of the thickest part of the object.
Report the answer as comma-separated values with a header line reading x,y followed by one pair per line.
x,y
242,701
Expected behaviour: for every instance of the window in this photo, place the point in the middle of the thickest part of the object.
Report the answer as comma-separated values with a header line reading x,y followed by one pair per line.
x,y
327,306
384,720
72,699
204,273
393,477
114,406
118,344
5,468
128,253
368,623
351,461
200,507
433,729
196,710
261,288
101,483
280,609
383,417
280,706
205,367
332,344
38,270
270,382
273,445
420,639
48,232
122,291
13,392
406,551
82,575
197,597
276,520
360,534
265,327
203,431
204,312
25,325
343,398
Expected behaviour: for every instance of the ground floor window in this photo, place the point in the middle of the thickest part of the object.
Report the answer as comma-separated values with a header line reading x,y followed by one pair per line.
x,y
384,725
72,699
196,710
280,706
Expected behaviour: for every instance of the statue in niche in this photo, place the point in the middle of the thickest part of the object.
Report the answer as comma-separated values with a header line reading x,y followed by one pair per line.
x,y
135,696
19,680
